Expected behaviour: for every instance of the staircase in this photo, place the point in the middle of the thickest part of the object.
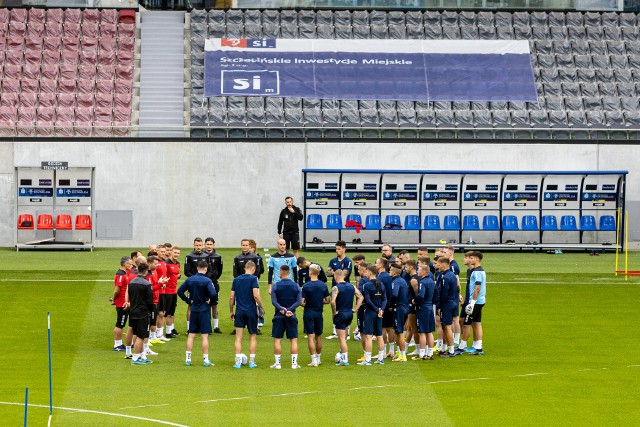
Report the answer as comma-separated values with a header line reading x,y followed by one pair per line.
x,y
162,74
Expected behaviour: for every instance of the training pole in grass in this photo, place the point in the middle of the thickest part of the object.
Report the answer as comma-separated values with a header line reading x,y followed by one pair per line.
x,y
626,246
50,380
26,405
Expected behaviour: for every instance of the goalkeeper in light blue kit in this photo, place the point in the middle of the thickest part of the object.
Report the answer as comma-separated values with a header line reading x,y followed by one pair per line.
x,y
475,300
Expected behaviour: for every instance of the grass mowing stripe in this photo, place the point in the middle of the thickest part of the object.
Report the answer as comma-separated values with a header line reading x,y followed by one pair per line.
x,y
90,411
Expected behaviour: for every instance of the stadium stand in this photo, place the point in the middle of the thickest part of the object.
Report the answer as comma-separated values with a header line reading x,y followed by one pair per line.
x,y
67,72
585,64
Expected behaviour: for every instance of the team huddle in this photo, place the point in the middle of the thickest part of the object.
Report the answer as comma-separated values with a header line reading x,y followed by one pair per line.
x,y
396,301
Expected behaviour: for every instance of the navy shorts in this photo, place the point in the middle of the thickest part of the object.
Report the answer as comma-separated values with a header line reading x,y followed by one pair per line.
x,y
313,322
248,319
475,316
140,327
448,312
372,323
426,320
200,322
400,318
342,320
282,324
121,317
388,318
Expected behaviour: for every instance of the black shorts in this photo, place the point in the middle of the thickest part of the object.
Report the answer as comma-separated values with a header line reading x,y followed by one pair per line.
x,y
292,239
214,300
154,315
475,316
360,319
248,319
388,319
121,317
171,301
200,322
162,303
313,322
140,327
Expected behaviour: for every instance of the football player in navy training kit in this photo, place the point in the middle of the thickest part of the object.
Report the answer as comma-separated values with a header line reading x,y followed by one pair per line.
x,y
303,271
245,294
342,295
201,290
449,250
375,299
399,302
449,304
314,295
340,262
286,296
387,321
424,301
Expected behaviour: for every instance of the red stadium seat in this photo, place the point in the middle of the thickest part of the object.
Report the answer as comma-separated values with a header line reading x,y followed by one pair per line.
x,y
33,57
35,29
90,44
108,16
31,71
106,72
26,121
90,30
127,16
9,100
87,72
86,86
18,15
36,15
71,29
83,222
54,16
47,99
4,15
48,85
90,15
28,100
50,71
53,29
63,222
25,222
84,100
17,29
45,222
104,87
73,15
107,30
14,57
12,71
126,30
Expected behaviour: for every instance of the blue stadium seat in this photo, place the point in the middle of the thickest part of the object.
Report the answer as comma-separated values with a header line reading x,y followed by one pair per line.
x,y
568,223
588,223
334,221
549,223
412,222
392,220
451,222
510,222
470,222
314,221
490,222
529,223
432,222
354,217
372,222
607,223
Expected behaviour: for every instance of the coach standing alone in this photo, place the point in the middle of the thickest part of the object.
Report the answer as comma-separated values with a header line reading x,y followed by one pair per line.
x,y
288,225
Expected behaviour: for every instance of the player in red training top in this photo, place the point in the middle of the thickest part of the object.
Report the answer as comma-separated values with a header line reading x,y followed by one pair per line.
x,y
161,272
156,285
121,281
173,273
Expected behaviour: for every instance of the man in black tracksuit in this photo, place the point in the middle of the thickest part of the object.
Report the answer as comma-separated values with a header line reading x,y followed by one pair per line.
x,y
288,225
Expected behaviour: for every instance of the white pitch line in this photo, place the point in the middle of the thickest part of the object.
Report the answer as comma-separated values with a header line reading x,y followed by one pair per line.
x,y
294,394
633,366
456,381
89,411
373,386
144,406
225,399
532,375
592,369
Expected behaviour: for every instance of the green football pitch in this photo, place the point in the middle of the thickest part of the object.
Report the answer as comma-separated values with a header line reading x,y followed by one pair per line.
x,y
560,337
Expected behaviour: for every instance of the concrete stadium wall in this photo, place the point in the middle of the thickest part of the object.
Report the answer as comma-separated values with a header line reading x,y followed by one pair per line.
x,y
232,190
